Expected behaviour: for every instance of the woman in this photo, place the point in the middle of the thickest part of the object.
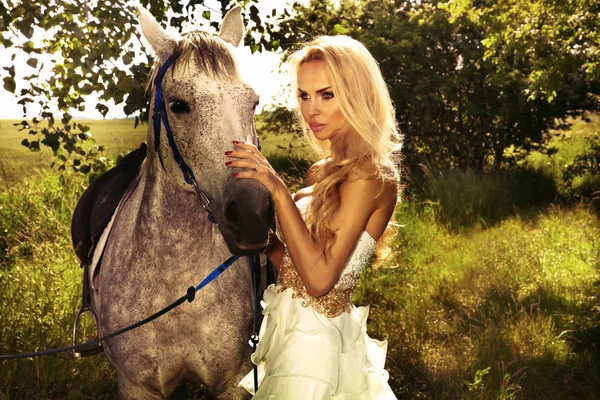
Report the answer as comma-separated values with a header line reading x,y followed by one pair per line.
x,y
313,341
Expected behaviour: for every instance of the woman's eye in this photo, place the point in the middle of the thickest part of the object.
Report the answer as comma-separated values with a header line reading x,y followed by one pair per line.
x,y
328,95
179,107
304,96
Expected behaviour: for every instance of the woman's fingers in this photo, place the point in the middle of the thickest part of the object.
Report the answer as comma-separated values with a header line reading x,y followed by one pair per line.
x,y
246,155
249,163
249,147
269,180
241,154
254,166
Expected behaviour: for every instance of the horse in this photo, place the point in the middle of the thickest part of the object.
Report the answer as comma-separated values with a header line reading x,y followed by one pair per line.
x,y
159,240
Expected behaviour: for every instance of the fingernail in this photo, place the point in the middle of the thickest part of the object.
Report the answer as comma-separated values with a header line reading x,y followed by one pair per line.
x,y
228,162
235,142
235,174
227,153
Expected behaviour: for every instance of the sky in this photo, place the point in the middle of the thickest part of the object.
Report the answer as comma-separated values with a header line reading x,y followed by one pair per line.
x,y
260,70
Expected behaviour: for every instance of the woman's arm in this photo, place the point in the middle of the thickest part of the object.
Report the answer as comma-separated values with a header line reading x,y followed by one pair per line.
x,y
359,199
274,251
275,248
320,268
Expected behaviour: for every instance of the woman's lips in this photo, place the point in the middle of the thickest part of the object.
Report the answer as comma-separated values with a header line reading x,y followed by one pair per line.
x,y
316,127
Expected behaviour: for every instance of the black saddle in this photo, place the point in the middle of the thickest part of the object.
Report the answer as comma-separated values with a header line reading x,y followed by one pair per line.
x,y
91,216
99,202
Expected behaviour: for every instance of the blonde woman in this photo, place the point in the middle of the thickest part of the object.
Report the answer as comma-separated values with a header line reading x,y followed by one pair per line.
x,y
313,341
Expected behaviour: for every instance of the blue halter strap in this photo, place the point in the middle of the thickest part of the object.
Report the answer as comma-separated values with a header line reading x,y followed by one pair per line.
x,y
160,115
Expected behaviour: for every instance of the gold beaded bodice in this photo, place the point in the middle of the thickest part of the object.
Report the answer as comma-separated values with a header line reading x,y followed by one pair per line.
x,y
339,298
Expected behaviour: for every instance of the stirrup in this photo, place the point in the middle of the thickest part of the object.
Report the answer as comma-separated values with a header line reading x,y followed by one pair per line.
x,y
88,351
86,305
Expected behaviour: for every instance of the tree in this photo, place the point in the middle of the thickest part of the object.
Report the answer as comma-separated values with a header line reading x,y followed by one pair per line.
x,y
94,48
459,100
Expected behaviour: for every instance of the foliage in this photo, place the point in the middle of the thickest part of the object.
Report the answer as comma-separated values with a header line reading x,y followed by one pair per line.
x,y
468,198
460,101
276,120
556,40
585,165
93,45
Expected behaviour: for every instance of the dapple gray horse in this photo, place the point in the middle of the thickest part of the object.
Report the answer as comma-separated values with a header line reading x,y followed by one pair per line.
x,y
160,241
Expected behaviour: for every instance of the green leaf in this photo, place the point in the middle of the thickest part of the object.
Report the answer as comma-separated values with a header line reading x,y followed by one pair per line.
x,y
28,47
206,15
102,108
254,14
27,31
127,58
32,62
9,84
340,29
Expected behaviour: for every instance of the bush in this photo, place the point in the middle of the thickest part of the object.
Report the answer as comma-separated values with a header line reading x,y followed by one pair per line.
x,y
470,198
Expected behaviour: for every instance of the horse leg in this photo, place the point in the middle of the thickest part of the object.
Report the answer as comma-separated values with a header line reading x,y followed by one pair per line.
x,y
129,390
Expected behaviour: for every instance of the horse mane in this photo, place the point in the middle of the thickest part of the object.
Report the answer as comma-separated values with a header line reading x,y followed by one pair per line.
x,y
211,54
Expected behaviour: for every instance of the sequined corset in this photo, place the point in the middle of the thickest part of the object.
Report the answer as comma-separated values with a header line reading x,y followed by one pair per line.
x,y
339,298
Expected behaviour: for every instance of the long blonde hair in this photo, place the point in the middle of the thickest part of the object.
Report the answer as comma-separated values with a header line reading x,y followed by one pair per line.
x,y
370,151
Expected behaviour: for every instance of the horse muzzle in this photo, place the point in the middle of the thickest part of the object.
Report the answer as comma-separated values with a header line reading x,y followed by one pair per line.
x,y
248,213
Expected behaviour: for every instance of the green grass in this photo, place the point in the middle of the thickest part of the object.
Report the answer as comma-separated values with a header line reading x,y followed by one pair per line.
x,y
17,162
519,298
491,291
40,285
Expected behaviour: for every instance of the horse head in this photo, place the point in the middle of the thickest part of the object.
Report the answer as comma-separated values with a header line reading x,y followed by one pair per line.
x,y
207,106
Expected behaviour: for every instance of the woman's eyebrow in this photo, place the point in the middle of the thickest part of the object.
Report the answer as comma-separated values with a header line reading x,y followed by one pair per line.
x,y
318,91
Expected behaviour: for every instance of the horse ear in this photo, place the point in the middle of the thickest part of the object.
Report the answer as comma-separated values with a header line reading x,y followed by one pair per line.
x,y
232,28
159,42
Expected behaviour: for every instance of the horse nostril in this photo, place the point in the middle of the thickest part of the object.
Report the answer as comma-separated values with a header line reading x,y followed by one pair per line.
x,y
232,215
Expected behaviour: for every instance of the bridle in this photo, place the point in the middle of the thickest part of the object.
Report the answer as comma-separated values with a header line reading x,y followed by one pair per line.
x,y
159,114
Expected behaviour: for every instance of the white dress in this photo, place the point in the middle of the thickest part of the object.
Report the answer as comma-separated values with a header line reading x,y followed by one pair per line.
x,y
318,348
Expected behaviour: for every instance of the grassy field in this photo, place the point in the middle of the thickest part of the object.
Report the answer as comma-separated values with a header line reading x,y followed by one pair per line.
x,y
17,162
491,291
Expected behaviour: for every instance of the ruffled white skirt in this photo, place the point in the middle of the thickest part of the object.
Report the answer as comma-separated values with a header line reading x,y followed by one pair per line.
x,y
305,355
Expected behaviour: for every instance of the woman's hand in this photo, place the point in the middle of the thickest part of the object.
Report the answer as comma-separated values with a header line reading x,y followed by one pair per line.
x,y
247,156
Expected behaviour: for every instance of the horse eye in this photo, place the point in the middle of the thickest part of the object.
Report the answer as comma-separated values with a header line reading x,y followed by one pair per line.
x,y
179,107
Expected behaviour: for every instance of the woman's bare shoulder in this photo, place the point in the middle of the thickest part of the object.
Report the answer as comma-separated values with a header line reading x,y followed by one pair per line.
x,y
383,187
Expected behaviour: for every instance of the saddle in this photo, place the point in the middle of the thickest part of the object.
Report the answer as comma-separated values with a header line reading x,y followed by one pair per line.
x,y
100,200
91,217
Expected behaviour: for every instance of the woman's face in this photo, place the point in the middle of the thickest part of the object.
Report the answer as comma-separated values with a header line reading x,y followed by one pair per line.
x,y
320,108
